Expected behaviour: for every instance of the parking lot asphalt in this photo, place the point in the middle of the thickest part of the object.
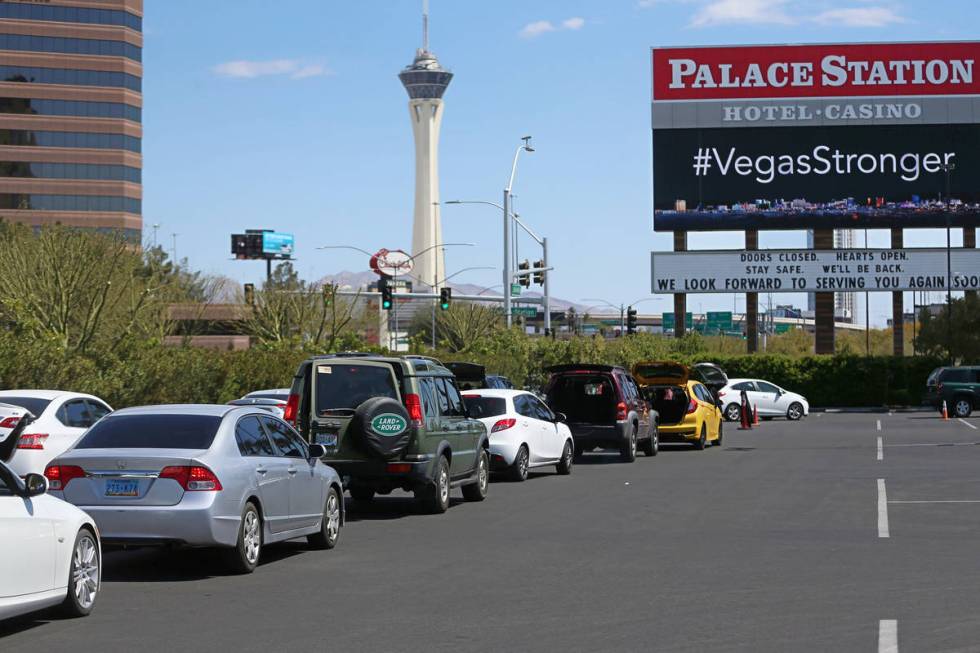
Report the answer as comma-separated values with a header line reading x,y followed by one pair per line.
x,y
772,542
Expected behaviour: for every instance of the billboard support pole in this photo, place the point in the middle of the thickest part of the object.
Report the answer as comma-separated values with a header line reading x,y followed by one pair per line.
x,y
824,301
268,270
898,304
752,301
680,299
970,240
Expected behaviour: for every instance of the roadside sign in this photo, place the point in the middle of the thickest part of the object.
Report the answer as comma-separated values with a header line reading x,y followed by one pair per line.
x,y
391,263
784,328
515,290
526,311
668,321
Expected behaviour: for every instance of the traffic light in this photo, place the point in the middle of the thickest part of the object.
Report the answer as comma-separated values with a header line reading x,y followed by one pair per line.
x,y
538,277
387,297
328,294
445,296
524,279
250,294
631,321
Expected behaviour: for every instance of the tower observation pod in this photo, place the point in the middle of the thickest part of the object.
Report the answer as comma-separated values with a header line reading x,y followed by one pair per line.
x,y
426,81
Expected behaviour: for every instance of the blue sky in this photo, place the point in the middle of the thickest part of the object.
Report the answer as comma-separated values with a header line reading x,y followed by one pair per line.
x,y
289,116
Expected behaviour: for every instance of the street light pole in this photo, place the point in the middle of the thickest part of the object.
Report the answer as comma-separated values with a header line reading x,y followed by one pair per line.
x,y
545,289
507,277
948,168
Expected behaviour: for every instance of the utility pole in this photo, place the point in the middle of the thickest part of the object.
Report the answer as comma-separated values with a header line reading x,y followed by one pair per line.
x,y
173,237
507,277
948,168
546,284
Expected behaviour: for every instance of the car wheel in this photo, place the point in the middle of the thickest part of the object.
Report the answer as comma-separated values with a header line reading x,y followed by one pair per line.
x,y
567,458
244,558
518,470
721,432
733,413
962,407
361,494
434,498
329,533
627,451
652,445
795,411
478,491
703,440
84,576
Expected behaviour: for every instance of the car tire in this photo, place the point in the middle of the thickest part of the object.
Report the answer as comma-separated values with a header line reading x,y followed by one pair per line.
x,y
962,407
652,445
84,575
329,533
627,450
700,443
721,433
518,470
478,491
244,558
564,465
795,411
733,412
434,498
361,494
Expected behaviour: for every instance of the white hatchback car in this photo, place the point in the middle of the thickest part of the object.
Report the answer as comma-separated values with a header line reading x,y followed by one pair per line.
x,y
50,552
769,399
60,419
524,433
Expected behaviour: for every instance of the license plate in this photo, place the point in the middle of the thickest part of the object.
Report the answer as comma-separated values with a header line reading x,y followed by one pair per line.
x,y
122,488
327,439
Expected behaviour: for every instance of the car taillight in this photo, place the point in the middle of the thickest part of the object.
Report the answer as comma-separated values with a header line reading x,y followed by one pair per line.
x,y
721,393
193,479
32,441
413,404
60,475
503,424
399,468
621,411
291,410
692,406
10,422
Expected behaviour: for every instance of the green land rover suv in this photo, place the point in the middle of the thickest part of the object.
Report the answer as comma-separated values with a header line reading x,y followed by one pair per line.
x,y
391,422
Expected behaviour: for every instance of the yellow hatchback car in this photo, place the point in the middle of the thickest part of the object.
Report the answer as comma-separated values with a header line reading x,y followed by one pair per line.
x,y
687,410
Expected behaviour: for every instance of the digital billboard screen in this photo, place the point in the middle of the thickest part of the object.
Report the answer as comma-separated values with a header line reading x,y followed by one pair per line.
x,y
816,136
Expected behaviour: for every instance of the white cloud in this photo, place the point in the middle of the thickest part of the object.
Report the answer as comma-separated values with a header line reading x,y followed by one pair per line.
x,y
539,27
859,17
758,12
243,69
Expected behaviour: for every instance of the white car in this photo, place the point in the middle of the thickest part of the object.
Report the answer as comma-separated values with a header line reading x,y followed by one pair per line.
x,y
50,551
60,419
769,399
524,433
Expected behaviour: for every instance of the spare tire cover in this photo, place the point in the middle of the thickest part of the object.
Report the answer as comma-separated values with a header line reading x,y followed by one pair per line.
x,y
382,425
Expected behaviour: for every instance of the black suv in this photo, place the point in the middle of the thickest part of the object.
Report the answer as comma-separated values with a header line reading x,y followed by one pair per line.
x,y
604,408
959,387
390,422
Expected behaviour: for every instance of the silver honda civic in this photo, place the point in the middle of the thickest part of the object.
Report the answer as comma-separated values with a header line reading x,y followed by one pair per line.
x,y
201,475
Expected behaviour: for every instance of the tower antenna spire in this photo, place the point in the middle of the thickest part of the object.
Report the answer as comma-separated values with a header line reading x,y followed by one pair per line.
x,y
425,25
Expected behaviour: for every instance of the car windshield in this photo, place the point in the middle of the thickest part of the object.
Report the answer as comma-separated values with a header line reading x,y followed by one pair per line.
x,y
152,431
485,406
32,404
345,387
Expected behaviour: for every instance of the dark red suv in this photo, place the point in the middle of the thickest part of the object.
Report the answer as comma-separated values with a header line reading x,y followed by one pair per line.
x,y
603,407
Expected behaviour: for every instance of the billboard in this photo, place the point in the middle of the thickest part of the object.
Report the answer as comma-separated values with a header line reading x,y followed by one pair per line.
x,y
816,136
277,245
807,270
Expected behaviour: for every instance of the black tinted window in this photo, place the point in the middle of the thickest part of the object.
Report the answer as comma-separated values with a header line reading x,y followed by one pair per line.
x,y
523,407
75,413
744,385
430,401
286,441
485,406
766,387
97,410
957,376
32,405
152,431
349,386
450,400
540,410
252,440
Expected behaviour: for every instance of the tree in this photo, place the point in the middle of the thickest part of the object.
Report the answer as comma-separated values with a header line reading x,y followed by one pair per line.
x,y
461,327
964,326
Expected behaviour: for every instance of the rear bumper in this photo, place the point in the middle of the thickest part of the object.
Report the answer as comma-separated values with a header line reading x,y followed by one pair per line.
x,y
375,474
686,431
590,436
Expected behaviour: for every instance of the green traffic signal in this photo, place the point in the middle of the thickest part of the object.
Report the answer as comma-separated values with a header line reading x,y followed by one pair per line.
x,y
445,296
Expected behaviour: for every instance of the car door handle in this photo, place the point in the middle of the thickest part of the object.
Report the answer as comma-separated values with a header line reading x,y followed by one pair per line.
x,y
292,471
261,470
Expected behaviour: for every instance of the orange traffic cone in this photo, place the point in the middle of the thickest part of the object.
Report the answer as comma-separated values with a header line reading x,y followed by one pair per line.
x,y
945,412
755,415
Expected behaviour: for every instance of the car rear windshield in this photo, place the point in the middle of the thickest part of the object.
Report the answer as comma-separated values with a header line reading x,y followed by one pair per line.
x,y
485,406
152,432
33,405
279,397
349,386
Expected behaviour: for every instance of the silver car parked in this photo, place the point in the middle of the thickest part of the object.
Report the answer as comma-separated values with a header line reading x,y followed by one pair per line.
x,y
221,476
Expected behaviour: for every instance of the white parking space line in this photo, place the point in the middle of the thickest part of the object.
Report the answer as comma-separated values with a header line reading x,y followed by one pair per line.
x,y
881,450
940,501
936,444
882,509
888,636
879,425
972,426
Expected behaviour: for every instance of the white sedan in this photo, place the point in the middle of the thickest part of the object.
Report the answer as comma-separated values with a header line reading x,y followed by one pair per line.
x,y
524,433
50,552
60,419
768,399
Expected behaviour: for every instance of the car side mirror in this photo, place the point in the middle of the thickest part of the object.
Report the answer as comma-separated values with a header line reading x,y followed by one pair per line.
x,y
35,485
317,451
561,417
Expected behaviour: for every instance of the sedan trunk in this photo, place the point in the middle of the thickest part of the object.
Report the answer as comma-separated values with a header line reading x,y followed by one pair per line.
x,y
128,478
